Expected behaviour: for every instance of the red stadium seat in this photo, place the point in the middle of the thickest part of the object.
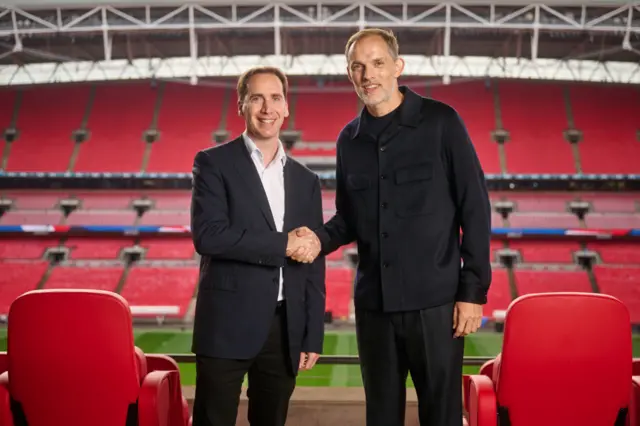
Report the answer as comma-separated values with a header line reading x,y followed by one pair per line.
x,y
566,360
634,410
72,361
159,362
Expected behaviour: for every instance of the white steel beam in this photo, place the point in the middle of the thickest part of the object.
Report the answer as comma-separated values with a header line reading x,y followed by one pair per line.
x,y
193,48
107,40
446,76
536,35
16,35
277,42
416,65
409,14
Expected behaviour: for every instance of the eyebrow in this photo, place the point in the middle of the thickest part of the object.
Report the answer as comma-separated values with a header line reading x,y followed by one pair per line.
x,y
374,60
262,95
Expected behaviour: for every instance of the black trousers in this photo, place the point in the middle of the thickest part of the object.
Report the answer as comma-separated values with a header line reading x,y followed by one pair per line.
x,y
271,383
391,345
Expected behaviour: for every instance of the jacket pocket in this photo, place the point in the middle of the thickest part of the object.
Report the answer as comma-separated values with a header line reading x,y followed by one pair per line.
x,y
414,190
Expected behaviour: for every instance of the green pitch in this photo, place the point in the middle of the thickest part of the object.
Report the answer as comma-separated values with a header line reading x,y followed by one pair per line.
x,y
336,343
484,344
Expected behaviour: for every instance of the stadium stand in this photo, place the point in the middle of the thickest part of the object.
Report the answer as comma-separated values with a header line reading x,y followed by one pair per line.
x,y
160,118
165,125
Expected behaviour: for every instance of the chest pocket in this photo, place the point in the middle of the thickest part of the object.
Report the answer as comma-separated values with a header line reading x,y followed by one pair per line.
x,y
362,197
414,190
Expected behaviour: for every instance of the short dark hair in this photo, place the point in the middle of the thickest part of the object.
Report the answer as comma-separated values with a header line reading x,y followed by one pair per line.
x,y
243,81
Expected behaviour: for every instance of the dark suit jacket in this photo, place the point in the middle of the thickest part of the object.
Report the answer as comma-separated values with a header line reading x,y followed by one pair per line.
x,y
405,196
234,232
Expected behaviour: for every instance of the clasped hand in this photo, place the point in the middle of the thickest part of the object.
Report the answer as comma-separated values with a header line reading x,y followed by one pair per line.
x,y
303,245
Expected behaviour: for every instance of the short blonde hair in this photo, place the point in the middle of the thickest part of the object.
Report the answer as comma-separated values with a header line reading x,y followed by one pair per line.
x,y
243,80
386,35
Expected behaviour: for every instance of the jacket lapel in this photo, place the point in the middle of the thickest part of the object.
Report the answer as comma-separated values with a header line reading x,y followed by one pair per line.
x,y
289,197
248,172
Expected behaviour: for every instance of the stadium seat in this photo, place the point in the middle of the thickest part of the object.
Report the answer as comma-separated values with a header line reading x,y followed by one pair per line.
x,y
566,360
74,363
159,362
634,410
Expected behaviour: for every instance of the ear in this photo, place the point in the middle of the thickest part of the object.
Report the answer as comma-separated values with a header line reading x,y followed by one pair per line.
x,y
399,63
286,109
349,74
240,109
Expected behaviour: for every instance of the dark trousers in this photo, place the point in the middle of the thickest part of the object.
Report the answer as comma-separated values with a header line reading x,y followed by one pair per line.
x,y
391,345
271,383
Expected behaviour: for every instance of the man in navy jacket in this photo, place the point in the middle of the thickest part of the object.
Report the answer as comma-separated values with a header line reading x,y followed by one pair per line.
x,y
258,312
408,182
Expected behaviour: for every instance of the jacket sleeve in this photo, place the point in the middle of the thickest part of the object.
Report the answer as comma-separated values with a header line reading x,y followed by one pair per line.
x,y
473,208
337,232
212,232
315,290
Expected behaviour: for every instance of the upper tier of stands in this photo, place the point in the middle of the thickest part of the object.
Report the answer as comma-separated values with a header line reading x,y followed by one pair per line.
x,y
534,117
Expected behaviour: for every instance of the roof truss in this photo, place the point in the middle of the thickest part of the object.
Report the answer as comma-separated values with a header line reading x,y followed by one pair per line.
x,y
17,21
618,21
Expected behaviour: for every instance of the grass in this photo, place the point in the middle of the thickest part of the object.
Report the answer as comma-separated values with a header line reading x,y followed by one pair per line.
x,y
336,343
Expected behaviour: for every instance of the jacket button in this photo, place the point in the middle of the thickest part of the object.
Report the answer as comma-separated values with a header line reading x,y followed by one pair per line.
x,y
385,235
384,205
385,265
383,177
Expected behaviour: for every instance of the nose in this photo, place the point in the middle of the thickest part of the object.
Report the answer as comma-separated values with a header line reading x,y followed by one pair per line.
x,y
366,73
267,104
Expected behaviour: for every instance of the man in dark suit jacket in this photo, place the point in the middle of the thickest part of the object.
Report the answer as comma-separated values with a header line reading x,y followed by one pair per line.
x,y
258,312
408,182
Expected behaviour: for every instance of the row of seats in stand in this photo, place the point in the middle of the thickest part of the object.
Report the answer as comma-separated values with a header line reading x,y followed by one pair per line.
x,y
162,125
566,359
519,201
80,366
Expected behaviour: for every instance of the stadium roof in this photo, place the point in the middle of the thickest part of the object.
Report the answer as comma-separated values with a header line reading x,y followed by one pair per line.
x,y
37,4
91,40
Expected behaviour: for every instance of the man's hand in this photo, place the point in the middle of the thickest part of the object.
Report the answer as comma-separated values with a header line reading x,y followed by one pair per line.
x,y
467,318
308,360
303,246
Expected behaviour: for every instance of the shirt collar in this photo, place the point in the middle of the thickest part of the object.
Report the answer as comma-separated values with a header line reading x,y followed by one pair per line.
x,y
253,148
409,111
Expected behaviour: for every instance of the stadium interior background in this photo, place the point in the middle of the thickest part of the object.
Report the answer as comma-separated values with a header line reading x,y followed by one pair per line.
x,y
103,108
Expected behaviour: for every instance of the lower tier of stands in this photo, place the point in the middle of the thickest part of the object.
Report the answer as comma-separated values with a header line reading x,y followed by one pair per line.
x,y
161,281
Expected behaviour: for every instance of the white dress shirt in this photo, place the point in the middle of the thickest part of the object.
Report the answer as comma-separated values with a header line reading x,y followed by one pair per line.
x,y
272,178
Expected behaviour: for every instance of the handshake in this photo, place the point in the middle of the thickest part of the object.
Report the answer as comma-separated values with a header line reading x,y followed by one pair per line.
x,y
303,245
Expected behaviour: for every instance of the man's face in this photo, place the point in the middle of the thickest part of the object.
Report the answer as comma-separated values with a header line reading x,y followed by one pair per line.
x,y
264,107
373,71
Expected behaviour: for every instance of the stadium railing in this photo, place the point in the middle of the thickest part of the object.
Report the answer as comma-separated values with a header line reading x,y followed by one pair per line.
x,y
475,361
